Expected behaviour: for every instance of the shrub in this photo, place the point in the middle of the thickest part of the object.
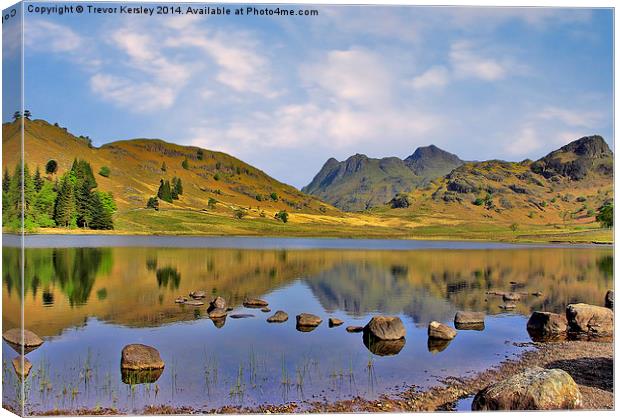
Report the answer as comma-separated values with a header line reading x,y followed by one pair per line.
x,y
282,215
212,202
514,227
216,177
581,199
478,202
51,167
606,215
274,196
104,171
153,203
240,214
200,154
185,164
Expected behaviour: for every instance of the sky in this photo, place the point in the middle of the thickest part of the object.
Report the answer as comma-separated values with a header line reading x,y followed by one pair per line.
x,y
286,93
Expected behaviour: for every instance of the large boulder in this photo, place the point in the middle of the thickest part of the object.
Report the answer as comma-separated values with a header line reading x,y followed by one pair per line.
x,y
533,389
590,320
439,331
279,316
609,299
385,328
308,320
22,366
217,303
254,303
140,357
16,339
546,325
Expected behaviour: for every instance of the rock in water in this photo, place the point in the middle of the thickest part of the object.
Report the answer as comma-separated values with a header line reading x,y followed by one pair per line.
x,y
335,322
546,325
180,299
464,317
22,368
383,347
609,299
279,316
439,331
385,328
138,377
353,329
241,316
193,302
511,296
590,320
533,389
140,357
30,340
218,313
254,303
308,320
265,309
435,345
508,307
198,294
217,303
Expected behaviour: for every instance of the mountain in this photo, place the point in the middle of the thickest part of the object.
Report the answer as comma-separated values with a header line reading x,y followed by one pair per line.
x,y
360,182
566,186
136,170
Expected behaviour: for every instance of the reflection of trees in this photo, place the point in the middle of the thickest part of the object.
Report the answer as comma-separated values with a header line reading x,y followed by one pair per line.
x,y
73,269
168,276
606,265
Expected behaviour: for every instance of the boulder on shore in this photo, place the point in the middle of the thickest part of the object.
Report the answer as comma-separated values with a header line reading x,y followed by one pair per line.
x,y
609,299
467,317
29,340
439,331
279,316
22,366
254,303
546,325
533,389
140,357
385,328
335,322
590,320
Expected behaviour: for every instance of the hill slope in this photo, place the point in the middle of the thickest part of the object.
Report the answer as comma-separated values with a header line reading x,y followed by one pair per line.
x,y
136,171
360,182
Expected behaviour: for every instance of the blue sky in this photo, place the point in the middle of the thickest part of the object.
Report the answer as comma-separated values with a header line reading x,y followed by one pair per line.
x,y
285,94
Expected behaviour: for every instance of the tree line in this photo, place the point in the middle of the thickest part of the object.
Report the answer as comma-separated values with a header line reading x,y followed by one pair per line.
x,y
71,201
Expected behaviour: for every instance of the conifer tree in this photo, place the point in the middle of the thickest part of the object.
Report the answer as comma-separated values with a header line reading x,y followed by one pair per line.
x,y
65,213
100,218
164,192
6,180
38,180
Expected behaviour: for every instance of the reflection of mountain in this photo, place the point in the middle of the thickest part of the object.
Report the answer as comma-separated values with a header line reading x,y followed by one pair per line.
x,y
360,288
63,287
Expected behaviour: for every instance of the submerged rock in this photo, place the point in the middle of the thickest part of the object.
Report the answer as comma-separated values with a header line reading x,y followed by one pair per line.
x,y
254,303
354,329
609,299
22,366
140,357
385,328
308,320
546,326
533,389
590,320
335,322
279,316
466,317
29,340
439,331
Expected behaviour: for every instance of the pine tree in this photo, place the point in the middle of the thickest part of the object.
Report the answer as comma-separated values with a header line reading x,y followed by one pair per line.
x,y
185,164
164,192
100,218
85,183
173,189
38,180
65,213
6,180
163,167
178,187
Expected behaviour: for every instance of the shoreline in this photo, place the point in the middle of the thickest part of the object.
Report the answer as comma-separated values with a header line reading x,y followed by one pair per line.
x,y
590,364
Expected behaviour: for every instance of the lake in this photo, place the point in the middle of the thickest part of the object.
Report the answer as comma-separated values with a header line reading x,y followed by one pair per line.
x,y
88,297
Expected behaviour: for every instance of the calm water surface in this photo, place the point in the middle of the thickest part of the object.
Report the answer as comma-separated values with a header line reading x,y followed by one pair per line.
x,y
87,302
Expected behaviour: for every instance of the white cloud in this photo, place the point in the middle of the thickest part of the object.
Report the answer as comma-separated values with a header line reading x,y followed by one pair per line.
x,y
571,117
135,96
467,63
52,37
435,77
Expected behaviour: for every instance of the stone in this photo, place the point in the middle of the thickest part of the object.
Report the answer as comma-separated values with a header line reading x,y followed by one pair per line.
x,y
254,303
194,302
354,329
439,331
265,309
511,296
308,320
590,320
609,299
533,389
279,316
385,328
22,366
140,357
383,347
198,294
218,313
241,316
30,340
546,325
217,303
335,322
508,307
470,327
180,299
466,317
